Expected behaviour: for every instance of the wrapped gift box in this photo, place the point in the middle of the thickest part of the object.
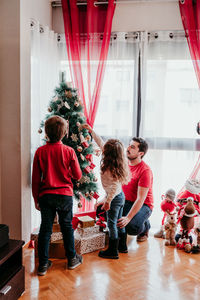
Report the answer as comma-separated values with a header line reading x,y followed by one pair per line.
x,y
86,221
88,231
86,240
89,243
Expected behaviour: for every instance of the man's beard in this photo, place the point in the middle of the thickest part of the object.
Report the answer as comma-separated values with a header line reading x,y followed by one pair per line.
x,y
132,158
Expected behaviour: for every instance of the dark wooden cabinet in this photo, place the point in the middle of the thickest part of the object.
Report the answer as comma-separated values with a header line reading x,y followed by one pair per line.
x,y
12,281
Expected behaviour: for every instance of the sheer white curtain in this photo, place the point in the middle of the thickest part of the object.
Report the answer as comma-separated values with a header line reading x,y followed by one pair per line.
x,y
44,78
170,113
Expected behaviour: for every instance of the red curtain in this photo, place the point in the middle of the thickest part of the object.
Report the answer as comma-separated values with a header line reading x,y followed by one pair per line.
x,y
87,33
190,14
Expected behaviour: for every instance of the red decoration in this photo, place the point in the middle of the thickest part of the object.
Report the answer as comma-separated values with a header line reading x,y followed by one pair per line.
x,y
99,20
190,15
101,221
92,166
89,157
96,195
85,144
87,170
31,244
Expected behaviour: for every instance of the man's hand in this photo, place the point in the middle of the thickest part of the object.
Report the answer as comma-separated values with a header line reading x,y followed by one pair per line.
x,y
123,221
37,206
106,206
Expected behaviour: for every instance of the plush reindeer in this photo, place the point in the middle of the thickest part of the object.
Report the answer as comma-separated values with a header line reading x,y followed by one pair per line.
x,y
186,217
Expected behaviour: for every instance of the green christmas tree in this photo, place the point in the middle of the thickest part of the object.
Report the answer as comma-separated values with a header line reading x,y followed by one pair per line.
x,y
67,104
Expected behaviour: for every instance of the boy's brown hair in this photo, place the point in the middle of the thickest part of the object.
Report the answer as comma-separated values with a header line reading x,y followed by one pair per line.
x,y
55,128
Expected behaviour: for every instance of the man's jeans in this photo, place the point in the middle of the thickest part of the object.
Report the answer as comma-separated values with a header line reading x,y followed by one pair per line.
x,y
139,223
115,213
49,205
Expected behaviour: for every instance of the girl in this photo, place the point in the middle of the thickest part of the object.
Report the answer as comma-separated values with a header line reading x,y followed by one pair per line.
x,y
114,173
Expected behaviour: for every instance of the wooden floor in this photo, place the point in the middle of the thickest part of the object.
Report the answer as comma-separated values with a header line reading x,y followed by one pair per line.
x,y
150,271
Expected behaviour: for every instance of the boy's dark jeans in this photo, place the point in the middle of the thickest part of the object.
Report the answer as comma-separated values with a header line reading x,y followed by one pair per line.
x,y
49,205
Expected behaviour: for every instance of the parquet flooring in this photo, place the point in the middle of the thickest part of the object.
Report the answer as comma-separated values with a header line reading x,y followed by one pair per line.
x,y
150,271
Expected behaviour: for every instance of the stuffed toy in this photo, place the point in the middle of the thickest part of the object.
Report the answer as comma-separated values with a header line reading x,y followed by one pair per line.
x,y
170,229
167,206
196,248
186,216
192,189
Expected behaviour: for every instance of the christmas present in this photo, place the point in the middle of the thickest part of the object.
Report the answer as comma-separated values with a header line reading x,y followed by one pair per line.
x,y
89,243
86,221
56,227
56,249
88,231
53,247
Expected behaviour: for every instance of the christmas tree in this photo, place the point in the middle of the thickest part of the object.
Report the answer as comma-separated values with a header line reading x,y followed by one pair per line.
x,y
67,104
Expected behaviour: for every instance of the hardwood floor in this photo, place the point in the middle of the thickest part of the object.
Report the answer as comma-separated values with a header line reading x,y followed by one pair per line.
x,y
150,271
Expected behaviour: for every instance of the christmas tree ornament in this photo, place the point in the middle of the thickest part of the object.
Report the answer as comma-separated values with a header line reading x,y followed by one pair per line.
x,y
79,149
82,157
76,104
86,170
96,195
50,109
78,184
95,179
89,157
40,130
74,137
87,179
79,205
66,105
69,84
88,138
68,94
78,124
84,143
92,166
97,152
87,194
91,193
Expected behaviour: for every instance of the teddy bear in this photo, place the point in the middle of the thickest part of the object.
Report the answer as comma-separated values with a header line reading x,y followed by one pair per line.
x,y
167,206
170,229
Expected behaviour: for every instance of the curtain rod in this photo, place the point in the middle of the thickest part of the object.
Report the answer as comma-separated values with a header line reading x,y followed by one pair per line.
x,y
58,3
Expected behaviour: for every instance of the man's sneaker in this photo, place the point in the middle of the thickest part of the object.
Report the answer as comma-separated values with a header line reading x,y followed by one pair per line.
x,y
75,262
142,237
43,269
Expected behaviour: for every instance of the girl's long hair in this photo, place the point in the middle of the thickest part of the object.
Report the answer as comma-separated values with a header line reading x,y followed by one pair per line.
x,y
115,161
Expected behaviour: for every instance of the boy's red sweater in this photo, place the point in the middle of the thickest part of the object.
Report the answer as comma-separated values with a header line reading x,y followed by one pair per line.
x,y
53,167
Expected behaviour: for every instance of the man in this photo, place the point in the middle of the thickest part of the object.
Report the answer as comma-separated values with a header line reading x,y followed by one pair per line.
x,y
138,194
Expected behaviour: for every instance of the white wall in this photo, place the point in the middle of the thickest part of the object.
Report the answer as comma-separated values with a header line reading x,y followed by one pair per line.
x,y
15,192
136,16
41,11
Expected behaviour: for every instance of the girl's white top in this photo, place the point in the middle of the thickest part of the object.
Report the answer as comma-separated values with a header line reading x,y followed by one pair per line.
x,y
111,186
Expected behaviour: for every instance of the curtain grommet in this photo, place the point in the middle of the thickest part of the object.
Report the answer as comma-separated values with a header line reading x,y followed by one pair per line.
x,y
182,1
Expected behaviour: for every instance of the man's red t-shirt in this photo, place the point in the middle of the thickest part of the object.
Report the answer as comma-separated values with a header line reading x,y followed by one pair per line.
x,y
141,175
53,167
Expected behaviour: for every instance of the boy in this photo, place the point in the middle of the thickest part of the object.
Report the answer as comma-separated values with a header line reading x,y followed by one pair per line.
x,y
53,167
